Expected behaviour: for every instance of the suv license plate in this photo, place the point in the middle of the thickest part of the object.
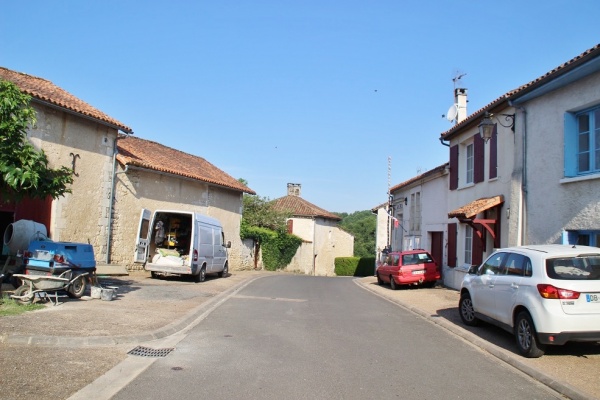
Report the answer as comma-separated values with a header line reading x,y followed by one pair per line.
x,y
592,298
419,272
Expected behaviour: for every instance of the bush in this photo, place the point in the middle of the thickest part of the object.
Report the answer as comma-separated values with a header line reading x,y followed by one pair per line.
x,y
355,266
278,248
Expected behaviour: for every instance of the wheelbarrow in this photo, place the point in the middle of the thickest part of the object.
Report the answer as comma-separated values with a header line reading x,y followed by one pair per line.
x,y
36,287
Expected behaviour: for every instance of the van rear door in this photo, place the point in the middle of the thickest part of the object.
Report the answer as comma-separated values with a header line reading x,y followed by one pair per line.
x,y
143,237
219,250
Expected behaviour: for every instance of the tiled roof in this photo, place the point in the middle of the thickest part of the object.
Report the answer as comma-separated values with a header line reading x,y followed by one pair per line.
x,y
475,207
553,74
417,178
147,154
47,92
302,208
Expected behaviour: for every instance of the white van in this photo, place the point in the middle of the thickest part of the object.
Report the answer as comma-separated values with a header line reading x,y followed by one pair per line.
x,y
182,243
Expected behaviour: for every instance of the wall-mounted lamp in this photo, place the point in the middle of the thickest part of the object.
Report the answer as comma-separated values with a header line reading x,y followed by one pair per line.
x,y
406,201
486,126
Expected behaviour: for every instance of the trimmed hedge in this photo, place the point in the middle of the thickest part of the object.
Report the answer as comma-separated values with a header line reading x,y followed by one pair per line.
x,y
355,266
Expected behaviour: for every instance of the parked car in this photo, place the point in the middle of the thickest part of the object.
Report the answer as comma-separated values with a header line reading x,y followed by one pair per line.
x,y
543,294
411,267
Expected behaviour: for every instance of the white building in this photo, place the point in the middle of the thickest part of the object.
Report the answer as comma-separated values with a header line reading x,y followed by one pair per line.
x,y
534,178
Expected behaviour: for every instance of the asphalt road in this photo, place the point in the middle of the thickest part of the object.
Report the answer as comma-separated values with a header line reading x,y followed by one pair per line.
x,y
300,337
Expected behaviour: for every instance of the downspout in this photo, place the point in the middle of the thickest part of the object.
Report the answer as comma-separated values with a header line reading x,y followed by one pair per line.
x,y
522,222
524,180
442,140
112,200
314,260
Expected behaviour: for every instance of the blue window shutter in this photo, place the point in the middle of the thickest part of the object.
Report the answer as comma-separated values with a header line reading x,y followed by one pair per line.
x,y
570,155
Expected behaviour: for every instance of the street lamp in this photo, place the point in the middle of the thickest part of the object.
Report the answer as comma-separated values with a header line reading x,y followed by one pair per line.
x,y
486,126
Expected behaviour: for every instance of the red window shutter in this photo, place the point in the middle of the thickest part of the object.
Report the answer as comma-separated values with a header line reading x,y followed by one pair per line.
x,y
290,226
452,232
454,167
479,159
494,153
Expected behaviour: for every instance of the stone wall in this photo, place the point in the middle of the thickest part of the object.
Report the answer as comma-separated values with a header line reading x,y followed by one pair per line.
x,y
81,216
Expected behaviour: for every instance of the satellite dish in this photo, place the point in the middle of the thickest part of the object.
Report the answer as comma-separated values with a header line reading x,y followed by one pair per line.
x,y
452,113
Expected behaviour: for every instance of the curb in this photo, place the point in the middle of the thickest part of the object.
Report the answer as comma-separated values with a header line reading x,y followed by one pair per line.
x,y
187,321
560,387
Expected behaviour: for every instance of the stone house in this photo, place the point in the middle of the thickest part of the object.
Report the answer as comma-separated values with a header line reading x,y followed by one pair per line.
x,y
116,175
525,168
152,176
72,133
323,240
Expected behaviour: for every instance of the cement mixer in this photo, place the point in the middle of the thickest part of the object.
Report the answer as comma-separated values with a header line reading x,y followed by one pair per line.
x,y
17,237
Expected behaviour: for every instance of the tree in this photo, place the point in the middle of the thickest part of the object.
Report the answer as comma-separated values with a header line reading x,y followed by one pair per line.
x,y
259,212
361,224
24,170
268,228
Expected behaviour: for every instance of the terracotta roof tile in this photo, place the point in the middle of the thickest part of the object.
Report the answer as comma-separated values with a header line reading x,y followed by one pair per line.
x,y
302,208
45,91
553,74
155,156
475,207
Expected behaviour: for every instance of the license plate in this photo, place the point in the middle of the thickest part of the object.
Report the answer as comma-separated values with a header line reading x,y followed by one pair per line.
x,y
34,272
419,272
592,298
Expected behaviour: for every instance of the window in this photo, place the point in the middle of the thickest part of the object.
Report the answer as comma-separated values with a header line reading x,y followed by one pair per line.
x,y
468,244
470,163
415,211
582,238
585,267
517,264
582,143
492,265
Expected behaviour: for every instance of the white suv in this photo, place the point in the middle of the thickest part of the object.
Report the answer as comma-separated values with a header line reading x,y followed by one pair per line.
x,y
544,294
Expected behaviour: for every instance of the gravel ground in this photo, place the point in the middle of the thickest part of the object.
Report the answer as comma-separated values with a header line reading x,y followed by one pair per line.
x,y
142,305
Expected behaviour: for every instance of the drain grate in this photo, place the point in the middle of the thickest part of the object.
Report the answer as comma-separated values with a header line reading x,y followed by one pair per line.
x,y
148,352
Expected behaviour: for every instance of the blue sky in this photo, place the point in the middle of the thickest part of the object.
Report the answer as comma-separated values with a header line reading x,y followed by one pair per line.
x,y
315,92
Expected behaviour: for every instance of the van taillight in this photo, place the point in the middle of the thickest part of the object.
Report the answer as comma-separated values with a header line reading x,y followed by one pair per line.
x,y
551,292
195,255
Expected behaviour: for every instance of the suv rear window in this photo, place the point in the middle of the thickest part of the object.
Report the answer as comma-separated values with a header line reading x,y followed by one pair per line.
x,y
574,268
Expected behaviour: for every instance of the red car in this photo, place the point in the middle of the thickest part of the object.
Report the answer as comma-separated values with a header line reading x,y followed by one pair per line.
x,y
411,267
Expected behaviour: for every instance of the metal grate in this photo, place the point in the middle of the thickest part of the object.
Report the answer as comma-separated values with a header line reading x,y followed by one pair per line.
x,y
148,352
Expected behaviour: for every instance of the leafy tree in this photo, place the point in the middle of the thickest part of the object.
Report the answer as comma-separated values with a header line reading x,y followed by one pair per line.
x,y
268,227
25,170
259,212
361,224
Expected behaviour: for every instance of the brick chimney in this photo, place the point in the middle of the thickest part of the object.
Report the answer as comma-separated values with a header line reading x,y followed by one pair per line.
x,y
294,189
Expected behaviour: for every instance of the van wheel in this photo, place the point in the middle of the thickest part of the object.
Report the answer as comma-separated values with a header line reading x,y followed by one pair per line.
x,y
201,277
393,284
225,272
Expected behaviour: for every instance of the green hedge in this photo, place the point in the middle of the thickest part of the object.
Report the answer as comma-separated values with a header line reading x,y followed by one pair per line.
x,y
278,248
355,266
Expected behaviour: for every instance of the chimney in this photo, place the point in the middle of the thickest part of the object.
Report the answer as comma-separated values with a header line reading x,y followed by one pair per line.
x,y
460,99
294,189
